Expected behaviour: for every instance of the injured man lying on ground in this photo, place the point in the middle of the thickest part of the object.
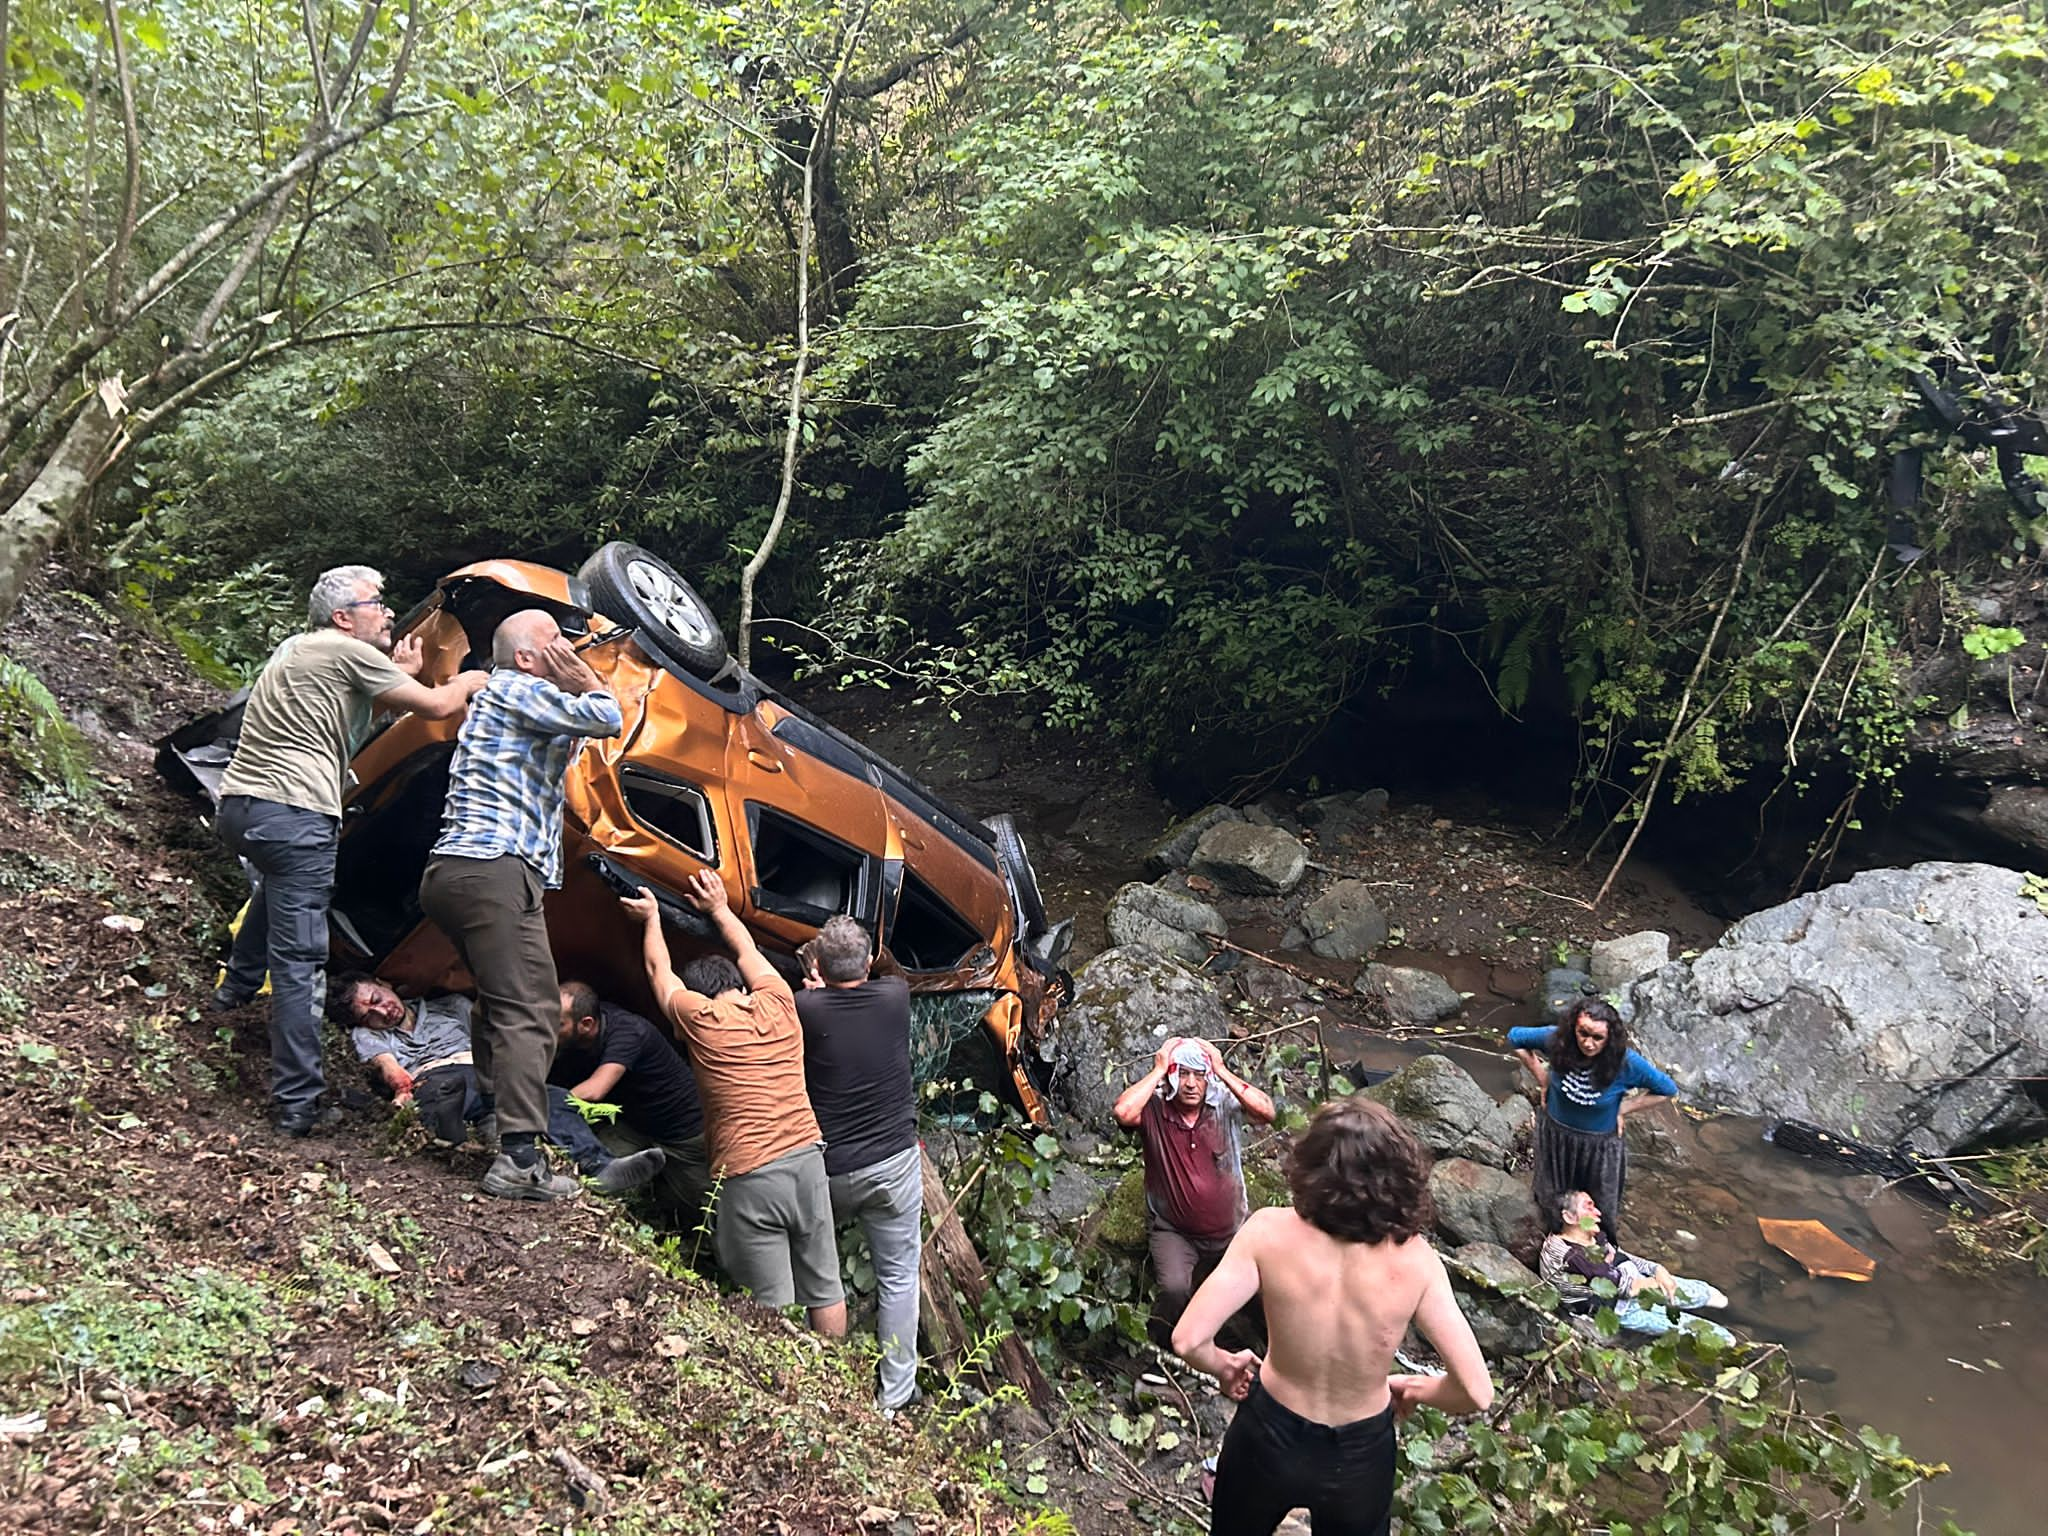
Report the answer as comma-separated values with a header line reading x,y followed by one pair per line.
x,y
418,1050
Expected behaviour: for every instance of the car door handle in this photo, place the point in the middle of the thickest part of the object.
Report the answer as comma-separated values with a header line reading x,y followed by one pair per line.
x,y
763,761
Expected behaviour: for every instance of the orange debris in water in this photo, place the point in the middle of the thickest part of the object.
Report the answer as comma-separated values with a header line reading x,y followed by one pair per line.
x,y
1813,1245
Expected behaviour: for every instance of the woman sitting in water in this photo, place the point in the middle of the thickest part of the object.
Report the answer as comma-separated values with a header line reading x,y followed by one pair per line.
x,y
1342,1274
1576,1257
1587,1079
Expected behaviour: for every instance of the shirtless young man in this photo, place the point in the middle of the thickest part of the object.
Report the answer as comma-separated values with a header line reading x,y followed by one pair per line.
x,y
1342,1274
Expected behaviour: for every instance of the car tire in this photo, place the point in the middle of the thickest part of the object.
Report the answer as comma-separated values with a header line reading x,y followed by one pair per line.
x,y
1017,870
631,585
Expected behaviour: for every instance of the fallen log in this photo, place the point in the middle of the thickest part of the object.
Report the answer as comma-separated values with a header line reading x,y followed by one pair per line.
x,y
954,1283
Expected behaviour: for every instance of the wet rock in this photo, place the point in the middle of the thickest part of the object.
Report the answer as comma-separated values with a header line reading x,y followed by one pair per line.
x,y
1294,936
1412,995
1563,988
1618,962
1868,1008
1514,1122
1478,1204
1167,920
1277,992
1343,814
2018,813
1493,1267
1074,1191
1503,1327
1652,1140
1707,1203
1177,844
1249,860
1344,923
1437,1100
1127,1001
1272,811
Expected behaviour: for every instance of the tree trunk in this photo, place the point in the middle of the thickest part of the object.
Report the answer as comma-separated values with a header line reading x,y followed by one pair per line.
x,y
951,1262
53,502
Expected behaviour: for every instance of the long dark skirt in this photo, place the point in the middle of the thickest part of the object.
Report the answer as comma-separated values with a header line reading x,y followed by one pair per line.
x,y
1567,1160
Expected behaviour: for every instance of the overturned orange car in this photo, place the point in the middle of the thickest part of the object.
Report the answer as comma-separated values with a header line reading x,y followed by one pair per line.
x,y
713,770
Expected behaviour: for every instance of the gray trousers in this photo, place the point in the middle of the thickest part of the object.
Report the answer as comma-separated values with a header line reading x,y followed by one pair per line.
x,y
491,911
685,1178
888,1200
285,933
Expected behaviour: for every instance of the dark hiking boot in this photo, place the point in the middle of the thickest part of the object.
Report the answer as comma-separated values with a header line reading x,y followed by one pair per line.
x,y
305,1121
508,1181
626,1173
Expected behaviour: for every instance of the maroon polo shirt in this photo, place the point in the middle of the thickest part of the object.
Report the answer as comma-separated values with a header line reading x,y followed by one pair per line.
x,y
1189,1174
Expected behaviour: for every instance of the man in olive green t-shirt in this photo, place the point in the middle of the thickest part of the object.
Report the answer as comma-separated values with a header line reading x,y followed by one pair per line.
x,y
280,807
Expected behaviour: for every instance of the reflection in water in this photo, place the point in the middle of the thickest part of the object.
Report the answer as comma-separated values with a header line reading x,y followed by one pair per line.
x,y
1954,1364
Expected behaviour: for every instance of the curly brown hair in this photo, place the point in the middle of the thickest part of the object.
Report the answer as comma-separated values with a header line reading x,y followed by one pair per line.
x,y
1360,1175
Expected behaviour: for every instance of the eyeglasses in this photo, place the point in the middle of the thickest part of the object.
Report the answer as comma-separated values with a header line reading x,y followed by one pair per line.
x,y
369,602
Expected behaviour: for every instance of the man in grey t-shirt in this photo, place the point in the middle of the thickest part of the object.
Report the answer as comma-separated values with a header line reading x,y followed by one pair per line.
x,y
280,807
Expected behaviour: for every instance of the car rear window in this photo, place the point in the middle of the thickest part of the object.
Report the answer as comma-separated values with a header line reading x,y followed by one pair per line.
x,y
928,935
673,808
802,872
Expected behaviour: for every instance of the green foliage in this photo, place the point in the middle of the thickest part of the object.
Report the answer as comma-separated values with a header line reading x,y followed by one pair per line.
x,y
1985,641
1677,1437
1043,1282
36,736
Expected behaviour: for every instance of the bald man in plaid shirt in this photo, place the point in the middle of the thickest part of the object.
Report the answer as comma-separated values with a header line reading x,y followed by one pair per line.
x,y
500,851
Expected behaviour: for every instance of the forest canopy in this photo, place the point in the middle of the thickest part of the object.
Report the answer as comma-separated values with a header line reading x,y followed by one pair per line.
x,y
1198,372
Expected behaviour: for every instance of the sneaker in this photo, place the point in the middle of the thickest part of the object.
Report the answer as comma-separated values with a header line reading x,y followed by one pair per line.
x,y
1714,1300
508,1181
630,1172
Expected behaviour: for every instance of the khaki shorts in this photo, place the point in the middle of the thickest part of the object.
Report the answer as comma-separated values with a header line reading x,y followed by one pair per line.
x,y
775,1235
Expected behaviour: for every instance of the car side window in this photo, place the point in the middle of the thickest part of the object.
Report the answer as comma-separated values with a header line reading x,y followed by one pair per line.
x,y
802,872
672,808
928,935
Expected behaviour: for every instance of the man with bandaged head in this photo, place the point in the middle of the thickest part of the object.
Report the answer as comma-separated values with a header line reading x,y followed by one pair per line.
x,y
1187,1111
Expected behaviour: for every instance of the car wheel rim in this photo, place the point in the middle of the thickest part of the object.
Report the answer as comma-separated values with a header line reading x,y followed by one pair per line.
x,y
670,601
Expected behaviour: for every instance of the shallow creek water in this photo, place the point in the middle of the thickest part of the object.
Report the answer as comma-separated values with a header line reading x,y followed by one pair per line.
x,y
1955,1365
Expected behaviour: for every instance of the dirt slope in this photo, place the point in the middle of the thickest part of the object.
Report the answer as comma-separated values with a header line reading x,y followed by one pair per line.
x,y
206,1327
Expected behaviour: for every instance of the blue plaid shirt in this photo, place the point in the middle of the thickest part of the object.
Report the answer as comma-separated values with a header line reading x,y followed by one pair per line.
x,y
505,785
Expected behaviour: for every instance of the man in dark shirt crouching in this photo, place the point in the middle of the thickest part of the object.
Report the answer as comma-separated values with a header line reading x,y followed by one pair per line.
x,y
857,1071
608,1054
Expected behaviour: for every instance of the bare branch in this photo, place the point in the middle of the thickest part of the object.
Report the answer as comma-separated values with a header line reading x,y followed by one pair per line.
x,y
793,435
316,53
131,143
888,79
366,25
224,293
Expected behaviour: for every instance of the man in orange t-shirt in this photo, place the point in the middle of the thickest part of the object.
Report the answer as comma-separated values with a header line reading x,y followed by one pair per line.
x,y
774,1231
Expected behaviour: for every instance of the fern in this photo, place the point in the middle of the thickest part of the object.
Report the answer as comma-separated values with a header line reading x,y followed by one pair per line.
x,y
1518,666
37,737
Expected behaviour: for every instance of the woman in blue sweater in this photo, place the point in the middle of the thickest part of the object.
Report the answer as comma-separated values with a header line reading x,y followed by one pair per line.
x,y
1588,1075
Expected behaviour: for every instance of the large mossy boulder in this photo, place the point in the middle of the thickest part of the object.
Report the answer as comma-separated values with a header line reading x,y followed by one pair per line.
x,y
1127,1002
1250,860
1449,1112
1901,1005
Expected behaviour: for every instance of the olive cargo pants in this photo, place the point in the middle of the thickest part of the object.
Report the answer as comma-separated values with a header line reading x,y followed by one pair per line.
x,y
491,910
